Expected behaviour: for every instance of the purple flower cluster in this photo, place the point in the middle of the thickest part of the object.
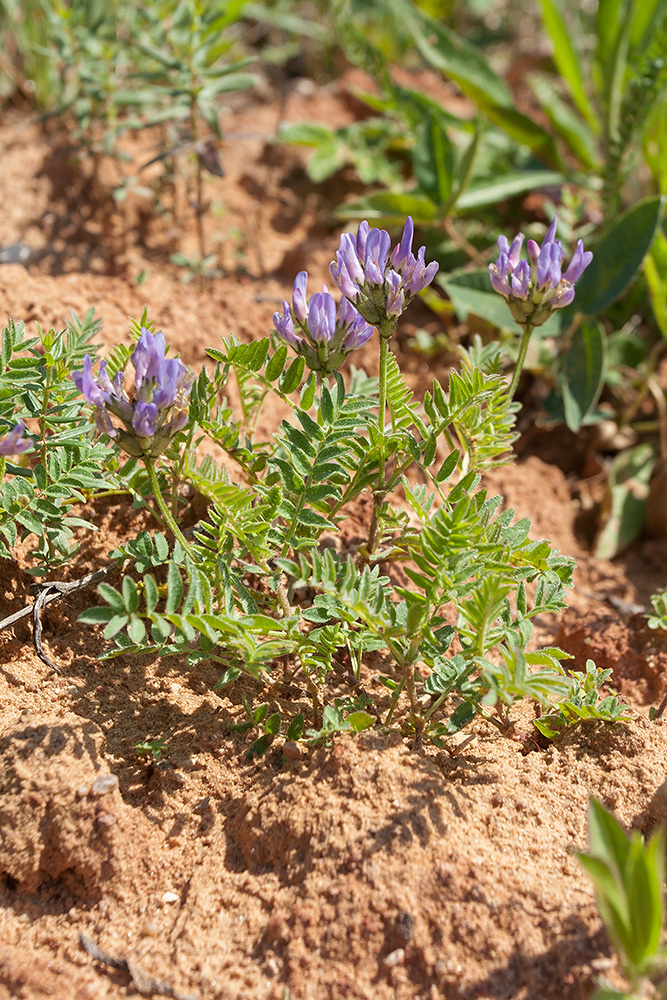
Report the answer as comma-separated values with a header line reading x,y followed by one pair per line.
x,y
15,442
159,408
378,280
318,329
534,288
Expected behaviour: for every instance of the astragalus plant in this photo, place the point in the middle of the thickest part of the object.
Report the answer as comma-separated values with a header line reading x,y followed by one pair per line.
x,y
421,625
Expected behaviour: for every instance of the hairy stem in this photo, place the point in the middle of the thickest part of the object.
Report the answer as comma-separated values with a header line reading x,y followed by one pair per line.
x,y
387,328
177,470
523,348
164,509
382,403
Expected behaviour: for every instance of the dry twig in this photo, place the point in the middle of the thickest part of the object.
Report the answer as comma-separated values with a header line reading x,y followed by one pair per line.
x,y
143,983
51,591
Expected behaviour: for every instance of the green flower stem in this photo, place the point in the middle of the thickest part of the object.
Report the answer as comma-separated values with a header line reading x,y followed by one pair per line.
x,y
164,509
386,328
523,348
382,402
178,468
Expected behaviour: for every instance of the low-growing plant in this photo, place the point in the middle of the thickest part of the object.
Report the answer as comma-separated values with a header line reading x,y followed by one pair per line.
x,y
629,875
188,59
659,617
583,701
150,749
436,601
114,68
602,113
67,467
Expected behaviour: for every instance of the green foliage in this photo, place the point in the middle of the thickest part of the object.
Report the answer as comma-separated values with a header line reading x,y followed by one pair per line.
x,y
151,748
452,173
625,501
582,373
36,498
367,146
109,67
262,590
340,718
611,271
628,875
91,66
583,703
598,102
24,32
658,620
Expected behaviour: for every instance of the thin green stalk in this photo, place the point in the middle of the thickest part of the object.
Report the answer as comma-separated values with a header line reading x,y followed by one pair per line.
x,y
48,384
281,590
395,699
178,469
523,348
387,329
199,184
382,403
164,509
314,697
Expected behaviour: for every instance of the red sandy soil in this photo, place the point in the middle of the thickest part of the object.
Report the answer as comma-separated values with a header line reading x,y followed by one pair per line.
x,y
365,870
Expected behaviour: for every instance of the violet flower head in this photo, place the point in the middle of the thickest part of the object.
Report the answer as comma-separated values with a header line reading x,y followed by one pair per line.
x,y
160,405
323,333
381,281
15,443
534,288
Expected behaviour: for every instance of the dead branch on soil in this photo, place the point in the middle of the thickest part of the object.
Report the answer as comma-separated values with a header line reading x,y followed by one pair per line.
x,y
51,591
143,983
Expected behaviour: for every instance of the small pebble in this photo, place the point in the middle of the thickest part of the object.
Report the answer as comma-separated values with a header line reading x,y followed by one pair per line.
x,y
104,783
170,897
395,958
272,966
106,819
